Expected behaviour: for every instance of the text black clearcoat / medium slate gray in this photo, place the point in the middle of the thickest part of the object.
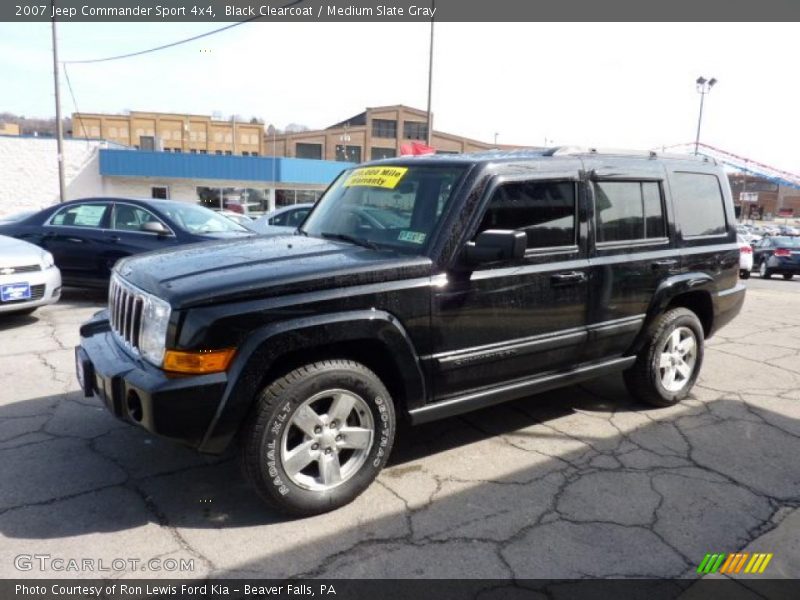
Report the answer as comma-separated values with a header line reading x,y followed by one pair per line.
x,y
445,336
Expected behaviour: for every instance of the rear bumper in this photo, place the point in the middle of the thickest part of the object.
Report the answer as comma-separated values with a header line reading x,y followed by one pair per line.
x,y
727,305
178,408
783,266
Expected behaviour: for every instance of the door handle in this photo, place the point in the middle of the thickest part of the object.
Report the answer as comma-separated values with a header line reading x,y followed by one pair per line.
x,y
667,263
568,277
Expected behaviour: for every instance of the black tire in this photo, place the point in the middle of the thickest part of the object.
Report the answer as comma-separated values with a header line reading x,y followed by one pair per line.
x,y
271,425
765,272
787,276
22,312
744,274
644,378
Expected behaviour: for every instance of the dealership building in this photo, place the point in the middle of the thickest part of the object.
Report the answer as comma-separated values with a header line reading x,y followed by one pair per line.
x,y
95,167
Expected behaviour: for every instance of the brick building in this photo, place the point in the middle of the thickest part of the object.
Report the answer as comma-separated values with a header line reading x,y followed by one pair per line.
x,y
373,134
170,132
769,197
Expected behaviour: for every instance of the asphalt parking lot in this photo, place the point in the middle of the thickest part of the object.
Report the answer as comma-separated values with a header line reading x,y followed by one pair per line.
x,y
579,482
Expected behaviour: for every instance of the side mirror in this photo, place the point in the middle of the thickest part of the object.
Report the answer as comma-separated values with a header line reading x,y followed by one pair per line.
x,y
156,227
495,245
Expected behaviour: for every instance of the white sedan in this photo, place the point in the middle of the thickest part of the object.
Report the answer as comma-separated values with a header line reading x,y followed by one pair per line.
x,y
745,257
283,220
28,277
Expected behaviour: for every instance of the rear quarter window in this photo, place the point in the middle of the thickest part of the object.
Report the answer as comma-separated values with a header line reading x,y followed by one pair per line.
x,y
699,204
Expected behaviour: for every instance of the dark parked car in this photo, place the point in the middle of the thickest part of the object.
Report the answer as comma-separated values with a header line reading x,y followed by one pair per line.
x,y
777,255
86,237
491,277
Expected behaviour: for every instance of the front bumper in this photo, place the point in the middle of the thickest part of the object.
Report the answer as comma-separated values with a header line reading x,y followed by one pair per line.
x,y
47,283
180,408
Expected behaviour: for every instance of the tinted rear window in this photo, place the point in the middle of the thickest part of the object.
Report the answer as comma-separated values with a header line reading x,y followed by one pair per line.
x,y
628,211
698,203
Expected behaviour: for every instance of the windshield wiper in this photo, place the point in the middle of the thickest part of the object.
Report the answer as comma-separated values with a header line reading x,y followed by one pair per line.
x,y
349,238
299,231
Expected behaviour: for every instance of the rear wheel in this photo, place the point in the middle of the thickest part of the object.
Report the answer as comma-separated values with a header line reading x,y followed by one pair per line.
x,y
764,271
667,367
787,276
318,436
744,274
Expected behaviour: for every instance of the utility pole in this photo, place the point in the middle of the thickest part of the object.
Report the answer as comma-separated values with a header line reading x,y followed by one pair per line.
x,y
233,134
430,82
62,194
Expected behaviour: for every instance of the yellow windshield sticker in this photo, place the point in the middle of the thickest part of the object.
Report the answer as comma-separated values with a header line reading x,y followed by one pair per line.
x,y
382,177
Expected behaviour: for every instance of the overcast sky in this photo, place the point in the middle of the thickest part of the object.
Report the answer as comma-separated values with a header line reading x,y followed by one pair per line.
x,y
605,85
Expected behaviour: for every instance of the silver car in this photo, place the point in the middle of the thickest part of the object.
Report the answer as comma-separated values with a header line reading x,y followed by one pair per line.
x,y
283,220
28,277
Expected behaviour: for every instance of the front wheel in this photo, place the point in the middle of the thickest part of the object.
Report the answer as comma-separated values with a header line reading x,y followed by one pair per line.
x,y
318,436
667,367
787,276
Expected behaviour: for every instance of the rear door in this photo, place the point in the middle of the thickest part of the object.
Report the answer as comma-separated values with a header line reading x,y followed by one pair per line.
x,y
513,320
632,251
76,236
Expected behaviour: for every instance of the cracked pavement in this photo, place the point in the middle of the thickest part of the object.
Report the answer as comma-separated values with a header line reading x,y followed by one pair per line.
x,y
578,482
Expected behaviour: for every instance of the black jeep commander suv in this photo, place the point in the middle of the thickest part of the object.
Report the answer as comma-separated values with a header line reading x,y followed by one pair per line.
x,y
422,287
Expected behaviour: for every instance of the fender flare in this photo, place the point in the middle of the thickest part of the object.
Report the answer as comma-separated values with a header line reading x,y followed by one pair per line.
x,y
267,344
667,290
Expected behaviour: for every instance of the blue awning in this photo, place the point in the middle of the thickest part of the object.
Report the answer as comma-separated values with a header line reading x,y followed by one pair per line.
x,y
263,169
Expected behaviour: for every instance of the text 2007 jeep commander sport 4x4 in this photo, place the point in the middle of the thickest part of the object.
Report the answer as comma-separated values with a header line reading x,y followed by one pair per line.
x,y
424,288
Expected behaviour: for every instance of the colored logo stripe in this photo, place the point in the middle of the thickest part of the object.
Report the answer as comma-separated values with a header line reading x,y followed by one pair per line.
x,y
734,563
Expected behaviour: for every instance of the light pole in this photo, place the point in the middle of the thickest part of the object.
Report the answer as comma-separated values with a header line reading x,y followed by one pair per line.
x,y
703,87
62,193
430,83
495,138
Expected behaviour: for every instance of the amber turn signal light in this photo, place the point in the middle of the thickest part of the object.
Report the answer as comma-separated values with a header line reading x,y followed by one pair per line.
x,y
199,361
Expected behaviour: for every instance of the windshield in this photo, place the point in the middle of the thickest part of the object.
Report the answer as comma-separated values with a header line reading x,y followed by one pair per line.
x,y
387,206
787,242
198,219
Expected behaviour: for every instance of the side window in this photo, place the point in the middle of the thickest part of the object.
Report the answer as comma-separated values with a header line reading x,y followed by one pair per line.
x,y
280,219
127,217
698,204
544,210
296,217
628,211
81,215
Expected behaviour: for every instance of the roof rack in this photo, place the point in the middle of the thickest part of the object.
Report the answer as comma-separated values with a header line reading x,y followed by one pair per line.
x,y
578,150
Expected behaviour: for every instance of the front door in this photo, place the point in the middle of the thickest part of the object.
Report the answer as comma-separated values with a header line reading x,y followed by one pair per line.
x,y
515,320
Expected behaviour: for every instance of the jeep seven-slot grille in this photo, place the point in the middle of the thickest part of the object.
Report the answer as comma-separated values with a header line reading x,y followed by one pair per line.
x,y
125,307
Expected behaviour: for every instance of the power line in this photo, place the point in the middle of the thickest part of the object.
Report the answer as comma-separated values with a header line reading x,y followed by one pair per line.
x,y
173,44
74,101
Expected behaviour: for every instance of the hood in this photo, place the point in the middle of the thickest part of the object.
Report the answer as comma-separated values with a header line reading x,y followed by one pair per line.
x,y
16,253
263,267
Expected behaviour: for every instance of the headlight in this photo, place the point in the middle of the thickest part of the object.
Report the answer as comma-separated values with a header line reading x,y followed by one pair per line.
x,y
152,338
47,261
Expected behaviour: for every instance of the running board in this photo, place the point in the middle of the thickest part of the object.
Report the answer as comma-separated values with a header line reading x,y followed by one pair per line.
x,y
514,391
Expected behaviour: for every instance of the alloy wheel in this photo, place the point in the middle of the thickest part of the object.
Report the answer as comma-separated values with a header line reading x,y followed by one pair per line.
x,y
678,358
328,440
